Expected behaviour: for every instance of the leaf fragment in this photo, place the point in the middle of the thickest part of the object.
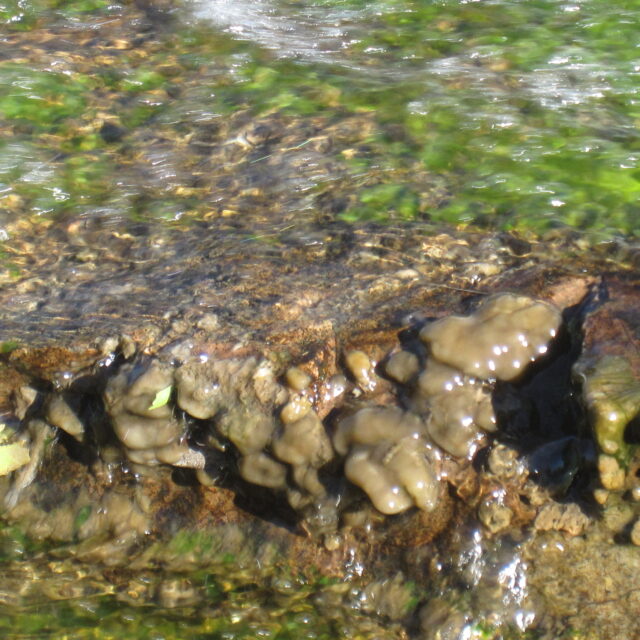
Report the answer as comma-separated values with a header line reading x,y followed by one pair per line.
x,y
12,457
161,398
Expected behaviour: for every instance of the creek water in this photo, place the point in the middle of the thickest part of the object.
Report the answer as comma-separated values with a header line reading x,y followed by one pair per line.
x,y
528,110
503,114
498,114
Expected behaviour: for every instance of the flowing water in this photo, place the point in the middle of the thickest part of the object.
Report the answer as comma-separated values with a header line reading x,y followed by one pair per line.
x,y
500,113
527,110
273,114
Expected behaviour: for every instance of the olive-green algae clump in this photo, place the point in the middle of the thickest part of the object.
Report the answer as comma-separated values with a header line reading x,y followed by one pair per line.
x,y
611,393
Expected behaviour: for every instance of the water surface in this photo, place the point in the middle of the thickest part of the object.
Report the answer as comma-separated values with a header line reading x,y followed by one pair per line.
x,y
527,110
503,114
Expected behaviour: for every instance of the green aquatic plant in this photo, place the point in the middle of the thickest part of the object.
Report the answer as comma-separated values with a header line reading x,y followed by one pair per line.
x,y
161,398
612,394
41,98
24,15
384,202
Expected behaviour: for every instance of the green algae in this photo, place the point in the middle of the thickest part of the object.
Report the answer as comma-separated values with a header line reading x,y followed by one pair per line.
x,y
42,99
612,394
521,115
8,346
25,15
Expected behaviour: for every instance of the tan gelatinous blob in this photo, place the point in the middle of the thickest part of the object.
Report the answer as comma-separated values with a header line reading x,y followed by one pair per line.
x,y
306,477
498,340
249,431
409,463
303,442
180,454
388,458
261,469
145,457
207,388
139,397
372,425
451,422
196,394
129,398
297,379
296,408
137,432
456,405
380,484
484,415
437,378
402,366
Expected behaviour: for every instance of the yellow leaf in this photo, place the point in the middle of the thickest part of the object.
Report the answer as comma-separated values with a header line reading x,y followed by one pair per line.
x,y
162,397
12,457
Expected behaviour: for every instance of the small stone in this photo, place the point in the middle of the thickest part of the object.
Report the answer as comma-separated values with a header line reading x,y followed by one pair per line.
x,y
332,542
297,379
494,515
635,533
23,398
208,322
611,475
109,345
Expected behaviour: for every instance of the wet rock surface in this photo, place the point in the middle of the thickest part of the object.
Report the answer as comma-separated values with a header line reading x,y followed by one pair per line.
x,y
287,400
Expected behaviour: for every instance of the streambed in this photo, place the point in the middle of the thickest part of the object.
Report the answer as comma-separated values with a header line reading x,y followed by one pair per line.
x,y
178,186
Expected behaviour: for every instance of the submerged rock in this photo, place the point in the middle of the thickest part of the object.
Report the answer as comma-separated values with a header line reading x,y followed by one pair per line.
x,y
392,419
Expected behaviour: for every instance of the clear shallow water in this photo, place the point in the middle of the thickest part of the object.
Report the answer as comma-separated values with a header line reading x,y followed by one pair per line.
x,y
528,109
504,114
